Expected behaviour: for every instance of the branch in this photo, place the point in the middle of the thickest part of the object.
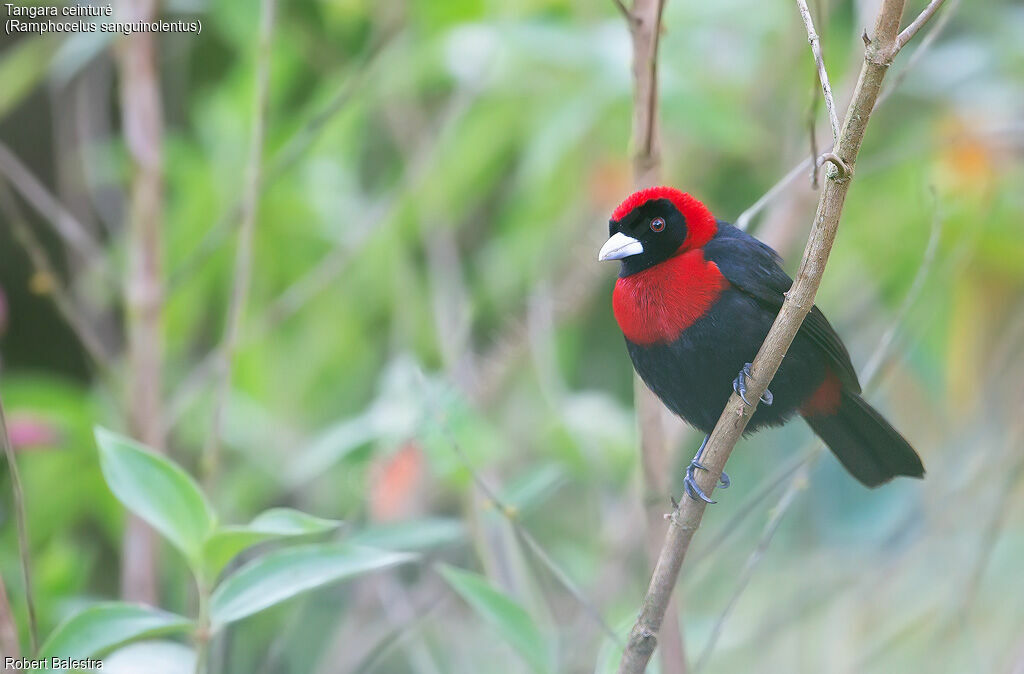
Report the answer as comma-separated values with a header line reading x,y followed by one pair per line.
x,y
509,513
686,518
43,268
922,49
819,61
70,229
243,254
626,14
743,221
142,126
910,31
18,494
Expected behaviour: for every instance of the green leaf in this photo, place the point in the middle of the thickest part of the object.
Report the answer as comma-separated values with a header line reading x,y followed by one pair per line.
x,y
151,657
283,574
100,628
158,491
413,535
226,542
511,621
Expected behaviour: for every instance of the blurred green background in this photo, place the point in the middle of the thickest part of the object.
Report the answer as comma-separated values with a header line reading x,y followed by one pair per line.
x,y
426,313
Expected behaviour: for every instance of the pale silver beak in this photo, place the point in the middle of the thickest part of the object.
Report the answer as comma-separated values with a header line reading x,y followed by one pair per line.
x,y
618,247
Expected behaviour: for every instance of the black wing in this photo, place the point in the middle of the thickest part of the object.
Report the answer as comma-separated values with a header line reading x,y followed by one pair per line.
x,y
754,268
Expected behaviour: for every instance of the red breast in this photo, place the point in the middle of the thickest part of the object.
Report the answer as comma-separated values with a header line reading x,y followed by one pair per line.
x,y
656,305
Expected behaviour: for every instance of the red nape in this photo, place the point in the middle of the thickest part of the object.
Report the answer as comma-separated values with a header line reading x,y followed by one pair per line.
x,y
700,223
825,399
656,305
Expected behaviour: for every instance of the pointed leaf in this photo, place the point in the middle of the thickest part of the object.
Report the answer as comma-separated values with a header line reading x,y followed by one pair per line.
x,y
291,522
510,620
156,490
226,542
100,628
283,574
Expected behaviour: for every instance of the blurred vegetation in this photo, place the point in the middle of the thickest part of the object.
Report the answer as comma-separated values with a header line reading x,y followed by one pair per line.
x,y
426,314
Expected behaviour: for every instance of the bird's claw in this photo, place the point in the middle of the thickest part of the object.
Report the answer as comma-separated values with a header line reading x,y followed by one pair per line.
x,y
739,385
693,490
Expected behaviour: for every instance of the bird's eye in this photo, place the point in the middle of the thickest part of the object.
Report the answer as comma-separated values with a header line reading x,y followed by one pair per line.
x,y
657,224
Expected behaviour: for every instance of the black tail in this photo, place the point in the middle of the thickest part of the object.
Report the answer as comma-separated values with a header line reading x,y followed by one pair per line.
x,y
867,446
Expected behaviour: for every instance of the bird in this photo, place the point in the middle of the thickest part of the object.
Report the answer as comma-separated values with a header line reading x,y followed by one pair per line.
x,y
695,298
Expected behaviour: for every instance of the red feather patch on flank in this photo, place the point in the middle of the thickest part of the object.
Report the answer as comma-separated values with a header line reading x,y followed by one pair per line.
x,y
825,399
700,223
656,305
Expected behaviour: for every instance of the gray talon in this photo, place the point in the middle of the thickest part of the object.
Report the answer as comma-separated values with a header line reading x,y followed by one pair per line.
x,y
694,491
739,385
690,485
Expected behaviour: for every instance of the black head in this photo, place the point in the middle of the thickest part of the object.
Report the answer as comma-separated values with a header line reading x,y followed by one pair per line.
x,y
654,225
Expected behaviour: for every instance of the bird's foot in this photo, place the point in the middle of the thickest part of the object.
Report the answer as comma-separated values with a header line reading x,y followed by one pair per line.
x,y
693,490
739,385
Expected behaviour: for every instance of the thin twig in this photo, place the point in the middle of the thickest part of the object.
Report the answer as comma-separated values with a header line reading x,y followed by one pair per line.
x,y
812,134
70,229
797,484
654,35
743,221
626,14
243,254
686,519
926,43
510,515
908,33
878,357
382,648
757,495
43,268
819,62
18,494
287,156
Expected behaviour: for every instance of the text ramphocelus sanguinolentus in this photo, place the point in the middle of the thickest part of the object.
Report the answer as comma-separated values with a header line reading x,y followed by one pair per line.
x,y
695,299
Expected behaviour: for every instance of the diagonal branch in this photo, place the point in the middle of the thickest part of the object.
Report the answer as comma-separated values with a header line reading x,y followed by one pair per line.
x,y
686,518
536,548
908,33
626,14
70,229
819,62
42,266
